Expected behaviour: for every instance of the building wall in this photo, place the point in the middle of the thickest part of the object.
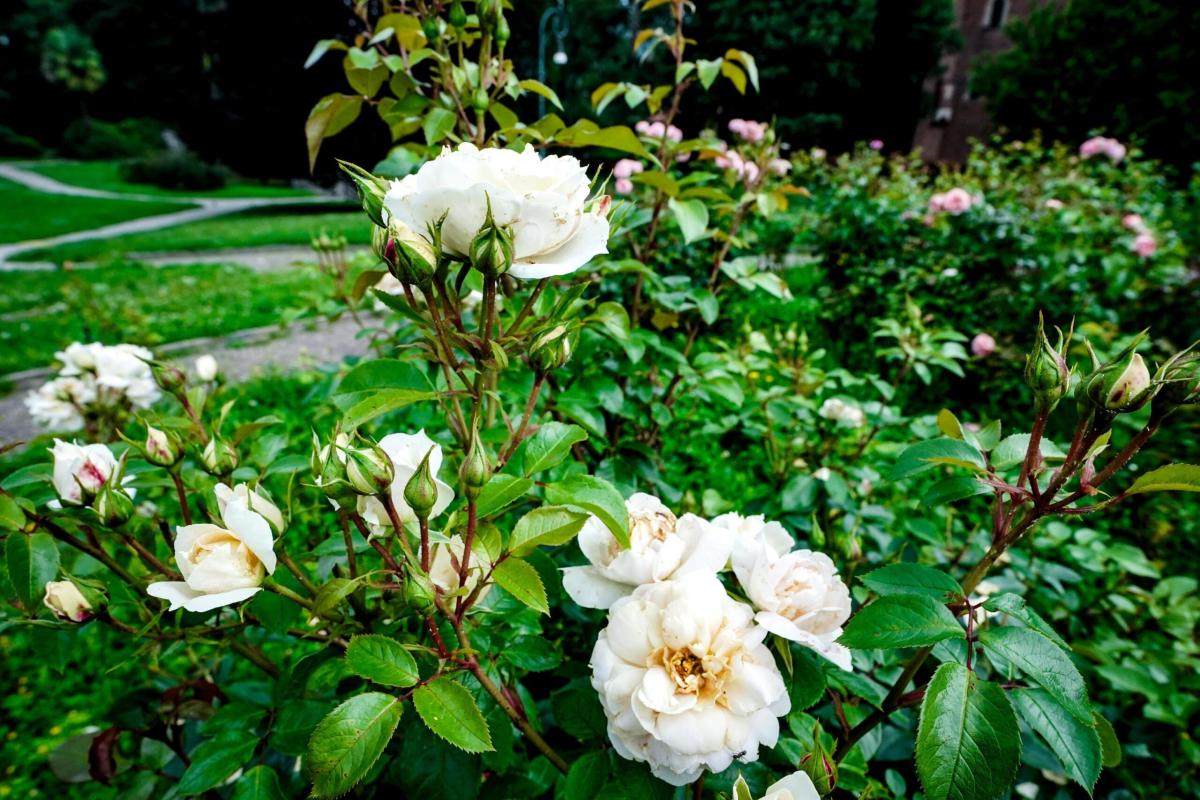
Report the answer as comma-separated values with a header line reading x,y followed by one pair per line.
x,y
957,117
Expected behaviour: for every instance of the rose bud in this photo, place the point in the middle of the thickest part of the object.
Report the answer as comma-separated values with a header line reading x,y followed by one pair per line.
x,y
371,191
219,458
1179,379
80,471
1046,372
162,448
421,492
113,506
369,469
551,350
169,379
1121,386
492,247
67,602
475,470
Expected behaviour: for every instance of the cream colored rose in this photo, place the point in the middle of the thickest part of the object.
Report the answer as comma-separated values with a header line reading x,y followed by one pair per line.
x,y
751,534
843,412
542,199
446,561
220,565
799,596
406,450
252,499
685,680
661,547
66,601
58,404
80,471
797,786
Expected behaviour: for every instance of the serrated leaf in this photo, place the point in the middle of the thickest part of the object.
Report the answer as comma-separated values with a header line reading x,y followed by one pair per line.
x,y
548,525
968,742
1043,662
902,620
549,445
382,402
587,777
927,455
11,516
1171,478
331,594
500,492
912,579
577,711
382,660
213,762
1075,742
32,562
345,745
449,710
595,496
954,488
258,783
521,580
1014,606
692,216
1110,746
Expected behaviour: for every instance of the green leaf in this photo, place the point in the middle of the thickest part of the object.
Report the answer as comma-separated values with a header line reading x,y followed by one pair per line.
x,y
692,216
430,769
1043,662
659,180
1171,478
926,455
295,723
321,48
587,777
902,620
449,711
331,594
501,491
1012,449
747,61
577,711
380,373
806,681
968,742
549,445
913,579
595,496
586,133
550,525
1014,606
330,116
213,762
521,580
954,488
438,123
11,515
1110,746
382,402
707,71
1075,742
537,87
382,660
345,745
32,562
258,783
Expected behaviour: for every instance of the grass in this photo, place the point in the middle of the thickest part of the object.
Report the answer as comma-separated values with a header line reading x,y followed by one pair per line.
x,y
249,229
124,302
26,214
106,175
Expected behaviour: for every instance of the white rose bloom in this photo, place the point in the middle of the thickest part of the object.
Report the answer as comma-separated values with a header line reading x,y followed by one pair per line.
x,y
797,786
843,412
685,679
78,358
252,499
58,403
65,600
542,199
661,547
445,563
206,367
799,596
80,470
220,565
123,367
753,533
406,451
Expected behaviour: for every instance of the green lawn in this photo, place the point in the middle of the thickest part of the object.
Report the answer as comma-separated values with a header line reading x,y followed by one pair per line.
x,y
144,305
26,214
107,175
250,229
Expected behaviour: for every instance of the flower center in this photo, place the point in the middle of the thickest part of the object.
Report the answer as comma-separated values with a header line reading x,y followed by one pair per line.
x,y
224,542
703,676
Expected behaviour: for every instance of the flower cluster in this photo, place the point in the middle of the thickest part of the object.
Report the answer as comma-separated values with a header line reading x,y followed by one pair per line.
x,y
95,378
954,202
1144,243
623,170
682,670
1102,146
842,412
747,165
749,130
656,129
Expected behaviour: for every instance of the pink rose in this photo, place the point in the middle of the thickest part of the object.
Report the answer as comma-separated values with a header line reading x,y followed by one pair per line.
x,y
1054,204
937,203
623,186
1134,222
983,345
1102,145
876,144
748,130
956,201
627,167
1145,245
737,126
674,134
750,172
780,166
642,126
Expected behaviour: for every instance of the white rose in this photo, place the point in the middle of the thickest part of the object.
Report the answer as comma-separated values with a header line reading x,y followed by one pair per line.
x,y
800,597
407,451
661,547
446,561
66,601
685,680
542,199
797,786
220,565
844,412
58,404
78,357
252,499
206,367
752,534
80,471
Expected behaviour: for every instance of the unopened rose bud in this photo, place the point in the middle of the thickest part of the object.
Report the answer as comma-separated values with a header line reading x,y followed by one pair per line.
x,y
458,15
329,470
219,458
476,469
551,350
492,247
421,492
113,506
418,591
1121,386
65,600
480,100
503,32
431,29
162,448
371,191
170,379
1179,380
820,766
369,470
1046,371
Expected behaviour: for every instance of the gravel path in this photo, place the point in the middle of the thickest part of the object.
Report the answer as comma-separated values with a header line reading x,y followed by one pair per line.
x,y
241,355
206,208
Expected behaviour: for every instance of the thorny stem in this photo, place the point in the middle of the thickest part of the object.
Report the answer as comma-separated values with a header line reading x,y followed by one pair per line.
x,y
257,657
95,552
472,524
283,591
294,568
145,554
397,527
425,555
181,493
528,307
517,437
387,557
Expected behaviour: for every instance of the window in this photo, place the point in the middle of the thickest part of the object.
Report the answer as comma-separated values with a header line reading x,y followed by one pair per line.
x,y
997,15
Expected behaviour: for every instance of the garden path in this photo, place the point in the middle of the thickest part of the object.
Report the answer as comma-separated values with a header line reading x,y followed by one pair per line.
x,y
206,207
240,355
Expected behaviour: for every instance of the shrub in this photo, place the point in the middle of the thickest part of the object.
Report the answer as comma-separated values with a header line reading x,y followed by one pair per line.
x,y
175,170
93,138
